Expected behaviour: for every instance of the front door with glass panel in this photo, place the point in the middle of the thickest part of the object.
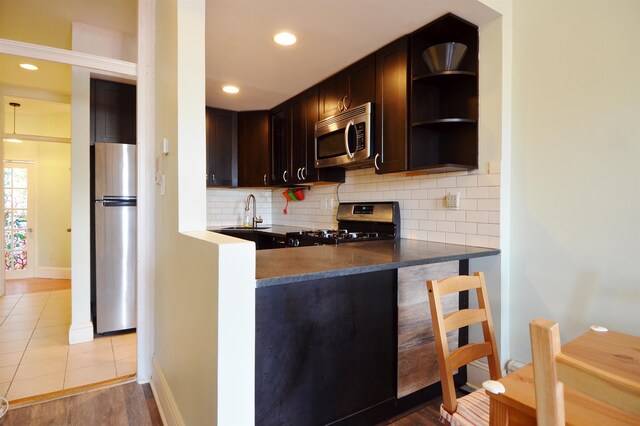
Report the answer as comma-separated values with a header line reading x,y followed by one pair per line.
x,y
18,247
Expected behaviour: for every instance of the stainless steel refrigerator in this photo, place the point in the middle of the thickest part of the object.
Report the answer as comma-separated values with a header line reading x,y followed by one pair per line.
x,y
115,236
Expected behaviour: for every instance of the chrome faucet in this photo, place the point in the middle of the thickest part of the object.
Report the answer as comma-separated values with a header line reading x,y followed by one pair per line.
x,y
255,219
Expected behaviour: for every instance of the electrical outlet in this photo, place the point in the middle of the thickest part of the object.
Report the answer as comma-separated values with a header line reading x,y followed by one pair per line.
x,y
452,201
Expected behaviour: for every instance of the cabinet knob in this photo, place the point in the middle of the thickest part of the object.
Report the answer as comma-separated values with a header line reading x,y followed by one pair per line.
x,y
375,161
264,179
303,173
299,171
341,104
284,175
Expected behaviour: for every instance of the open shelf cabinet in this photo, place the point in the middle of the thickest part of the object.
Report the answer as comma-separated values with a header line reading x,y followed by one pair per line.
x,y
444,105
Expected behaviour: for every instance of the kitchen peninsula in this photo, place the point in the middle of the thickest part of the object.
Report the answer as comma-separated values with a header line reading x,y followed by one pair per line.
x,y
343,332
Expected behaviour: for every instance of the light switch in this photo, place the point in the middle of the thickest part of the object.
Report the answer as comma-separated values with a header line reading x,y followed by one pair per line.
x,y
165,146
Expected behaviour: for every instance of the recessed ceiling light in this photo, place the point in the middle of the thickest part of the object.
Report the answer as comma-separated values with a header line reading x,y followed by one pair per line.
x,y
29,67
230,89
284,38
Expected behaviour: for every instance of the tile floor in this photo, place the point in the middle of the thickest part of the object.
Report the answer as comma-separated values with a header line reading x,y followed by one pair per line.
x,y
35,356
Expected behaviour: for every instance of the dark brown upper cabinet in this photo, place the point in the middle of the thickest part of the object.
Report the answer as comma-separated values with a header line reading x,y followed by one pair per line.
x,y
304,116
280,144
391,109
444,105
351,87
253,149
113,112
222,147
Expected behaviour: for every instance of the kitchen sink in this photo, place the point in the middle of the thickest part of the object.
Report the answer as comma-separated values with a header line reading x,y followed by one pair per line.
x,y
244,228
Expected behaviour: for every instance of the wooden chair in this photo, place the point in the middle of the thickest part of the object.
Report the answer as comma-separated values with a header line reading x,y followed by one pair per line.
x,y
552,369
466,409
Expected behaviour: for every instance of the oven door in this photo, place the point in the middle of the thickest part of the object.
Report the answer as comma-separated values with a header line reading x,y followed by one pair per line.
x,y
344,140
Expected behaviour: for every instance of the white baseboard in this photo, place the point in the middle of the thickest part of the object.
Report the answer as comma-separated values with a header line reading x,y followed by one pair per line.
x,y
164,398
53,272
80,333
477,372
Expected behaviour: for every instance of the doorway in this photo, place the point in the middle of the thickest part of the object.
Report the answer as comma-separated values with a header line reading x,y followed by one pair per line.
x,y
19,194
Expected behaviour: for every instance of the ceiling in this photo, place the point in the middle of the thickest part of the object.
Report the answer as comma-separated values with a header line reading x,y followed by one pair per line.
x,y
239,40
331,35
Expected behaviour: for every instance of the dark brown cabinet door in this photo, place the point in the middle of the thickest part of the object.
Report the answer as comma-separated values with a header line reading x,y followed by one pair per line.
x,y
253,148
280,142
349,88
299,143
222,147
391,107
331,93
361,78
113,112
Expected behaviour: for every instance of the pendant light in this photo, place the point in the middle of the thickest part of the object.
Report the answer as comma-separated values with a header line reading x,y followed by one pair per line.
x,y
14,140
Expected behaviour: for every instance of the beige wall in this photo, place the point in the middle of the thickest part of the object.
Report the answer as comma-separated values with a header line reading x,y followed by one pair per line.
x,y
53,200
574,199
204,316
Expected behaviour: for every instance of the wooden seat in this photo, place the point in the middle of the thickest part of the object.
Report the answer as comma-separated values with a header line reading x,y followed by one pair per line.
x,y
472,409
552,369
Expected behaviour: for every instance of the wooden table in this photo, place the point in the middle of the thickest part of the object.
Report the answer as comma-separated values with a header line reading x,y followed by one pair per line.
x,y
615,352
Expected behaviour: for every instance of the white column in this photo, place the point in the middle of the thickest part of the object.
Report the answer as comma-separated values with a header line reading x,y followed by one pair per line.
x,y
81,329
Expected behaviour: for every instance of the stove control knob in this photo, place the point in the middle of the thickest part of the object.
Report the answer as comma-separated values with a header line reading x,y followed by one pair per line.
x,y
293,242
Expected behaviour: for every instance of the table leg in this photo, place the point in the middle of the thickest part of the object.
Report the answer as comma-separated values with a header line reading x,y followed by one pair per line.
x,y
498,413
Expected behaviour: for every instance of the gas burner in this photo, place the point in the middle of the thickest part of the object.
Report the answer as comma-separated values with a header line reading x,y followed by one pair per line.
x,y
356,222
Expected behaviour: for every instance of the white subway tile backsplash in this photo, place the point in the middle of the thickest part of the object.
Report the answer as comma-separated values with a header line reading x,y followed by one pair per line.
x,y
411,184
427,183
478,192
494,191
489,180
436,194
422,203
452,238
447,182
489,204
494,242
438,237
466,228
494,217
477,216
437,215
455,216
469,180
446,226
489,229
478,240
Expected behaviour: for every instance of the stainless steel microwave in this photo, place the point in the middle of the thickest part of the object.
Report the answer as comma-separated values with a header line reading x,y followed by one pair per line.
x,y
346,139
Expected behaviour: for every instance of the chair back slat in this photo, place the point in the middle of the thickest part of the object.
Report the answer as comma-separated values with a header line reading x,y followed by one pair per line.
x,y
463,318
449,362
468,353
457,284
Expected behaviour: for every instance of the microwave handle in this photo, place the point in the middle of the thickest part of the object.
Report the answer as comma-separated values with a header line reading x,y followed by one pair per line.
x,y
346,139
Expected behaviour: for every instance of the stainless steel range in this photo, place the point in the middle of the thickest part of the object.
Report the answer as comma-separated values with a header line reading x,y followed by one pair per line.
x,y
372,221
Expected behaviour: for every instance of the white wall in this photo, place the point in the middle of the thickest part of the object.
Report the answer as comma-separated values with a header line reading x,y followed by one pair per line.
x,y
53,203
204,318
574,199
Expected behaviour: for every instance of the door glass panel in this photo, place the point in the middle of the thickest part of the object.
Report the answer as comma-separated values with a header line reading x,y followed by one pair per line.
x,y
15,218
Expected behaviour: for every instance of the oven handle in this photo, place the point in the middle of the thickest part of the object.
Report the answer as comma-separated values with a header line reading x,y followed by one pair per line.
x,y
346,139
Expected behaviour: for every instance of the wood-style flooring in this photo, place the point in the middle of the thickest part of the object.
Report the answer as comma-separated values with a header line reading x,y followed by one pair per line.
x,y
35,285
130,404
426,415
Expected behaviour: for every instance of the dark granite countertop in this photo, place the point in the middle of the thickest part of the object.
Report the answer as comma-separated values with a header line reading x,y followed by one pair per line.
x,y
289,265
